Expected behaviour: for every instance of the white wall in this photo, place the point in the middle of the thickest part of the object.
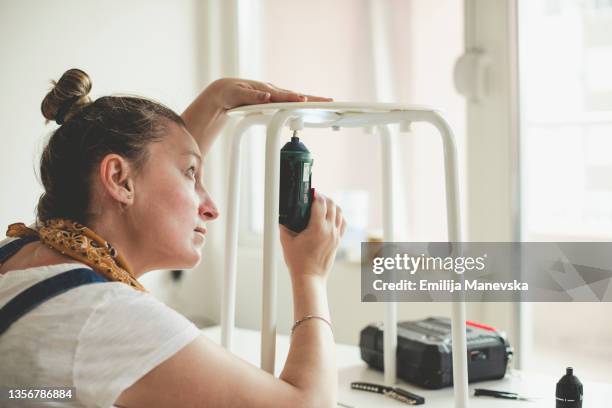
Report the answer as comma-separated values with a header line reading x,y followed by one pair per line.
x,y
149,48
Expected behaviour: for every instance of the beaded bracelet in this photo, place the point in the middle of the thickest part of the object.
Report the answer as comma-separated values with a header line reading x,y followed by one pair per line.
x,y
303,319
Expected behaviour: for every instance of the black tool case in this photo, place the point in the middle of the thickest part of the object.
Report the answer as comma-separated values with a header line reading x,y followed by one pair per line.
x,y
424,354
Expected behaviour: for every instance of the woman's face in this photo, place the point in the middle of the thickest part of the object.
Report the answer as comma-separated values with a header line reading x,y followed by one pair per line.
x,y
171,203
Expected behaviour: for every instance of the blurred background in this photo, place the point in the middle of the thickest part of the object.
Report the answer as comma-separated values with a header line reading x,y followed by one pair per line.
x,y
530,102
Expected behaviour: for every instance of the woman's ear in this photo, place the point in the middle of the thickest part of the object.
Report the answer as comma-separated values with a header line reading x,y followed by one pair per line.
x,y
116,176
129,186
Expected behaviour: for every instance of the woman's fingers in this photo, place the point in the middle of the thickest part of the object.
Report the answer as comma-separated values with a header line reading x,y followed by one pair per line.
x,y
302,97
317,210
331,210
313,98
251,96
342,227
286,233
247,96
247,92
234,92
305,97
280,96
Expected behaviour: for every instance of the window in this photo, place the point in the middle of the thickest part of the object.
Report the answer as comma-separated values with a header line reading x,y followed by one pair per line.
x,y
566,137
567,119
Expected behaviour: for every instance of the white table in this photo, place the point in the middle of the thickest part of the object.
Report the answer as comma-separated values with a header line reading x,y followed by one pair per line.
x,y
352,368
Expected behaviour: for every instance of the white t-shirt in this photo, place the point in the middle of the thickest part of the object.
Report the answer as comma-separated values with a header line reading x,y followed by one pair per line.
x,y
99,338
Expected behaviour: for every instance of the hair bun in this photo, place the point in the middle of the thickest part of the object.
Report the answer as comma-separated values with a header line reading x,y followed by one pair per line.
x,y
67,96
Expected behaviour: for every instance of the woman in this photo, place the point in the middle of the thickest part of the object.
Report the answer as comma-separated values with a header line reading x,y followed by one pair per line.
x,y
128,171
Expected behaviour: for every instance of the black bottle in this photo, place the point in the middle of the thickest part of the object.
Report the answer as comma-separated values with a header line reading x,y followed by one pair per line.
x,y
569,391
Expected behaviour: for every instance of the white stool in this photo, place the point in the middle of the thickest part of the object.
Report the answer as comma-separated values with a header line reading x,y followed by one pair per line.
x,y
336,115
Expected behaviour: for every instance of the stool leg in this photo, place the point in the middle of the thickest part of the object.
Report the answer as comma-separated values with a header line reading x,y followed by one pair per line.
x,y
388,184
460,371
272,174
228,295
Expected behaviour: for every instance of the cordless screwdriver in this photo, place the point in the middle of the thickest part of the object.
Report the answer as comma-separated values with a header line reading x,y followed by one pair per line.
x,y
296,194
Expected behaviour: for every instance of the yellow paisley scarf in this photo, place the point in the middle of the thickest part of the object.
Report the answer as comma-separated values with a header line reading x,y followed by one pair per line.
x,y
81,243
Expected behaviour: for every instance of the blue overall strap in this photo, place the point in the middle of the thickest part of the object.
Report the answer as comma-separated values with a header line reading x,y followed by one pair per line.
x,y
9,249
43,290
